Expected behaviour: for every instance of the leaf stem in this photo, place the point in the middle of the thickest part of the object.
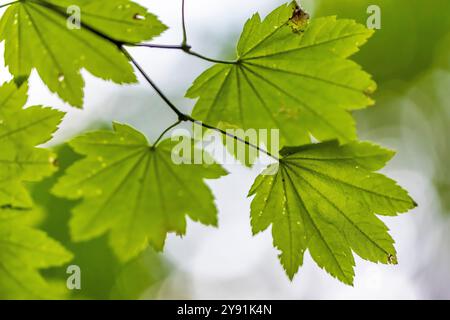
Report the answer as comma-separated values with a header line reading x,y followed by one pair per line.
x,y
157,46
8,4
164,132
180,114
207,126
183,22
185,48
184,44
188,50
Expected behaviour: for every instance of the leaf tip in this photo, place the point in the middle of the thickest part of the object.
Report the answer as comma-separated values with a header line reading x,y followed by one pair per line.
x,y
392,259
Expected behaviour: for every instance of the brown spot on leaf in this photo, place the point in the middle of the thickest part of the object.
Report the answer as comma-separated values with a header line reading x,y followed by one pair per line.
x,y
299,20
392,259
55,162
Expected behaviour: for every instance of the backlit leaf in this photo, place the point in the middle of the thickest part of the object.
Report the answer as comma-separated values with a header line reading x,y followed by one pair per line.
x,y
37,36
135,191
325,198
301,83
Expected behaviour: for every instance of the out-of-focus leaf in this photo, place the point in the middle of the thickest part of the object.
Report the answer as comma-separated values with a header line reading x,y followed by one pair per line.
x,y
103,276
23,252
23,249
20,131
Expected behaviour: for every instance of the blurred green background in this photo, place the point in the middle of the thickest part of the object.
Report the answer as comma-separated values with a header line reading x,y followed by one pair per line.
x,y
409,58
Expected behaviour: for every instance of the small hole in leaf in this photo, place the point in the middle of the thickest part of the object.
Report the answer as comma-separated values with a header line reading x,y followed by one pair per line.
x,y
137,16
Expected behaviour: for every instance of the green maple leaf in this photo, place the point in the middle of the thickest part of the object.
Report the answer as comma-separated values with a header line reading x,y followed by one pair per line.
x,y
299,82
135,190
37,37
20,131
324,198
23,251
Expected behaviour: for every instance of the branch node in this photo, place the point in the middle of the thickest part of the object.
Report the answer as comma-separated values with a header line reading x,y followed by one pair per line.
x,y
186,47
184,117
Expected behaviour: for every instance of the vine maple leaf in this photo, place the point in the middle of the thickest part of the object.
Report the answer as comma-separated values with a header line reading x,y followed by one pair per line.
x,y
37,36
134,190
298,82
23,249
20,131
324,197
